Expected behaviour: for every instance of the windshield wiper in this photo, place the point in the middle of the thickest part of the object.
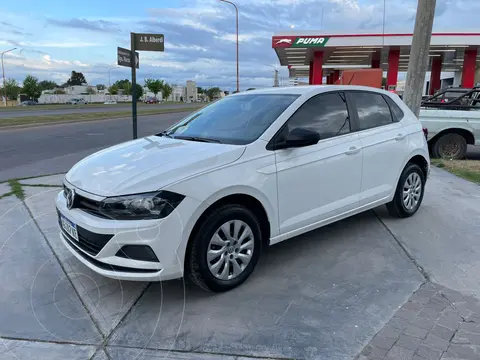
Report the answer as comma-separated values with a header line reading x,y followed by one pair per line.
x,y
196,138
165,133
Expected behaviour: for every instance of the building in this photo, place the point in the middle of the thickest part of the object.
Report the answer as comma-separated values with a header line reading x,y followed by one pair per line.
x,y
178,93
191,91
317,56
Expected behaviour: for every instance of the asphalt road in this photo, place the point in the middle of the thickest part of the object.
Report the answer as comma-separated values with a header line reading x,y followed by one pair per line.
x,y
38,111
55,148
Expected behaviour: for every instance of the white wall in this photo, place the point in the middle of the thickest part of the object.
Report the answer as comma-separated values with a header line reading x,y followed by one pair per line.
x,y
97,98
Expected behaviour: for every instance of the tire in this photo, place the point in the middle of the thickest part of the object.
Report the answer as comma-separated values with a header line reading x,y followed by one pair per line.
x,y
450,146
398,207
199,268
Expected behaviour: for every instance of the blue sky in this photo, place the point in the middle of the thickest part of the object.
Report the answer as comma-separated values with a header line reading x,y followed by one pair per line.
x,y
54,37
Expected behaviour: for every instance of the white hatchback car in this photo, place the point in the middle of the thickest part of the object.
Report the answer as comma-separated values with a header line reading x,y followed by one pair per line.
x,y
204,197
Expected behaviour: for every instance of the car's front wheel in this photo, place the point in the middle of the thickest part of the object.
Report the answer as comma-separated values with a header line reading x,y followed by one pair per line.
x,y
409,193
225,248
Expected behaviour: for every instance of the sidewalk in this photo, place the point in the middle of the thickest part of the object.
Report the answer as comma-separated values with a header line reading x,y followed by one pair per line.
x,y
369,287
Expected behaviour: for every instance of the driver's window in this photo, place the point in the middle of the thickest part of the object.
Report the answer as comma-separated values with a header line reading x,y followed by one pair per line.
x,y
327,114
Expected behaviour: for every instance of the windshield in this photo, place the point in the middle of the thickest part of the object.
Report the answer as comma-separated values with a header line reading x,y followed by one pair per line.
x,y
233,120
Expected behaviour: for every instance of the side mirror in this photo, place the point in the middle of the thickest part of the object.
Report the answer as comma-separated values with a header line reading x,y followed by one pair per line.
x,y
299,137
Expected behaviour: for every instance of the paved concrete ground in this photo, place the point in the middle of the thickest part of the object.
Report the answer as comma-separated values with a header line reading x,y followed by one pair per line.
x,y
324,295
38,111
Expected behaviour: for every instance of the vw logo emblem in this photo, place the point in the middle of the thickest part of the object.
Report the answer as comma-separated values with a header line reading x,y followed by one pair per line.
x,y
70,198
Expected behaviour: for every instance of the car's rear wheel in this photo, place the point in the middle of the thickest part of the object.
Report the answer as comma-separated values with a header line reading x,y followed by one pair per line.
x,y
225,248
450,146
409,193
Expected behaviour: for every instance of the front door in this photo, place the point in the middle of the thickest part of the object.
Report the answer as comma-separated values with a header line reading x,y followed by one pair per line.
x,y
320,181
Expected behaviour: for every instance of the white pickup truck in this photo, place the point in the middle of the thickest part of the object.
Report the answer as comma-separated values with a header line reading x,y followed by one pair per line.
x,y
452,120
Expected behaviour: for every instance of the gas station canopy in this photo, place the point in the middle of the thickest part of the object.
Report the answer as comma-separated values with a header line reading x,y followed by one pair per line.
x,y
312,54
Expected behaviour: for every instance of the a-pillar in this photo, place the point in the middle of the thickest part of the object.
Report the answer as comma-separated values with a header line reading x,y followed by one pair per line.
x,y
317,68
469,63
392,73
310,74
376,60
336,76
435,80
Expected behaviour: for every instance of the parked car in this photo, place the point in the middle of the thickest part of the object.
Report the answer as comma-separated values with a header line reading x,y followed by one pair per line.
x,y
110,102
206,196
77,101
28,103
452,117
151,100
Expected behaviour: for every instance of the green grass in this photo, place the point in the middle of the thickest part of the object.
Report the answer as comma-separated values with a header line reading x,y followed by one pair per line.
x,y
466,169
16,189
75,117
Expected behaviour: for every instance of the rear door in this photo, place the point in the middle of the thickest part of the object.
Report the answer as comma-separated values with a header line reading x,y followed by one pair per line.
x,y
384,144
320,181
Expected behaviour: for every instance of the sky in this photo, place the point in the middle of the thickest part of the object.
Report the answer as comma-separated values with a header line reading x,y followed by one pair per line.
x,y
54,37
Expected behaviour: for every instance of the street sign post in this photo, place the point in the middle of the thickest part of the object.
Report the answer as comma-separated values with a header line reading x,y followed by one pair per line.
x,y
149,42
141,42
124,57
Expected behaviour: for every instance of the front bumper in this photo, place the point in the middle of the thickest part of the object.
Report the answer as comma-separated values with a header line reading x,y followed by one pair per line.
x,y
163,236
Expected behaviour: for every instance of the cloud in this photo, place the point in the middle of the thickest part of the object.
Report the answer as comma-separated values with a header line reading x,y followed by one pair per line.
x,y
84,24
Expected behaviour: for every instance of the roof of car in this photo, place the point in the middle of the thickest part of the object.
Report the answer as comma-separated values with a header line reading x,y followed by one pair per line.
x,y
301,90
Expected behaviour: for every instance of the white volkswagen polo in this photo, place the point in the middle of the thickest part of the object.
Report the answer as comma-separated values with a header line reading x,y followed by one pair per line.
x,y
204,197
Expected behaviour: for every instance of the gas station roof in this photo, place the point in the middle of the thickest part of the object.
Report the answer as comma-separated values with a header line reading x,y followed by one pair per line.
x,y
343,51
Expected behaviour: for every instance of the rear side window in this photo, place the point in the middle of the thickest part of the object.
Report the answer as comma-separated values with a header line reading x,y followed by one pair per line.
x,y
396,111
372,109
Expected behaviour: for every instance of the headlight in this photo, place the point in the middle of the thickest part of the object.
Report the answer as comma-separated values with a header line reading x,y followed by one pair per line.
x,y
155,205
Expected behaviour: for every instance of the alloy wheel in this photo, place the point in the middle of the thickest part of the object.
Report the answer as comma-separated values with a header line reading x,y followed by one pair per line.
x,y
230,250
412,190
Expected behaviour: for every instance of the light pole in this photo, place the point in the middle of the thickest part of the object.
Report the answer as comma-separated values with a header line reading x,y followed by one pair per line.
x,y
238,70
109,82
3,72
275,76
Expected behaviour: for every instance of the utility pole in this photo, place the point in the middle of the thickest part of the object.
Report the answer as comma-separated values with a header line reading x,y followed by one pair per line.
x,y
418,64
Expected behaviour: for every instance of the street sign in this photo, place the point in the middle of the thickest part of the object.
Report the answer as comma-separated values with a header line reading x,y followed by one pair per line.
x,y
124,56
149,42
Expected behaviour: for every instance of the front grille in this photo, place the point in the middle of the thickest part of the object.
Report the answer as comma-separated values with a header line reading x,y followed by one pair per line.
x,y
73,244
88,241
88,205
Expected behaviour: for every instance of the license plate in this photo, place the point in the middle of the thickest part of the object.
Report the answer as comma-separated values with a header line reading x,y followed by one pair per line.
x,y
69,227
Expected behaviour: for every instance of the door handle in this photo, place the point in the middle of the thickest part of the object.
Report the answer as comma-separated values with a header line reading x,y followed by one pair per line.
x,y
353,150
400,137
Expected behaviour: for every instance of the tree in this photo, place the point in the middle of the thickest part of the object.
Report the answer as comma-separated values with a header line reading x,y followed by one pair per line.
x,y
227,93
155,86
212,92
100,87
47,85
166,91
31,88
139,91
113,90
76,78
11,89
200,90
59,92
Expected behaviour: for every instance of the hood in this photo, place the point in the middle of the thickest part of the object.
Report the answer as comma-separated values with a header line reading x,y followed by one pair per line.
x,y
148,164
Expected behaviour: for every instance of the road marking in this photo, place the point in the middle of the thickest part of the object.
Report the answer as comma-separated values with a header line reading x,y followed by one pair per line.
x,y
95,134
